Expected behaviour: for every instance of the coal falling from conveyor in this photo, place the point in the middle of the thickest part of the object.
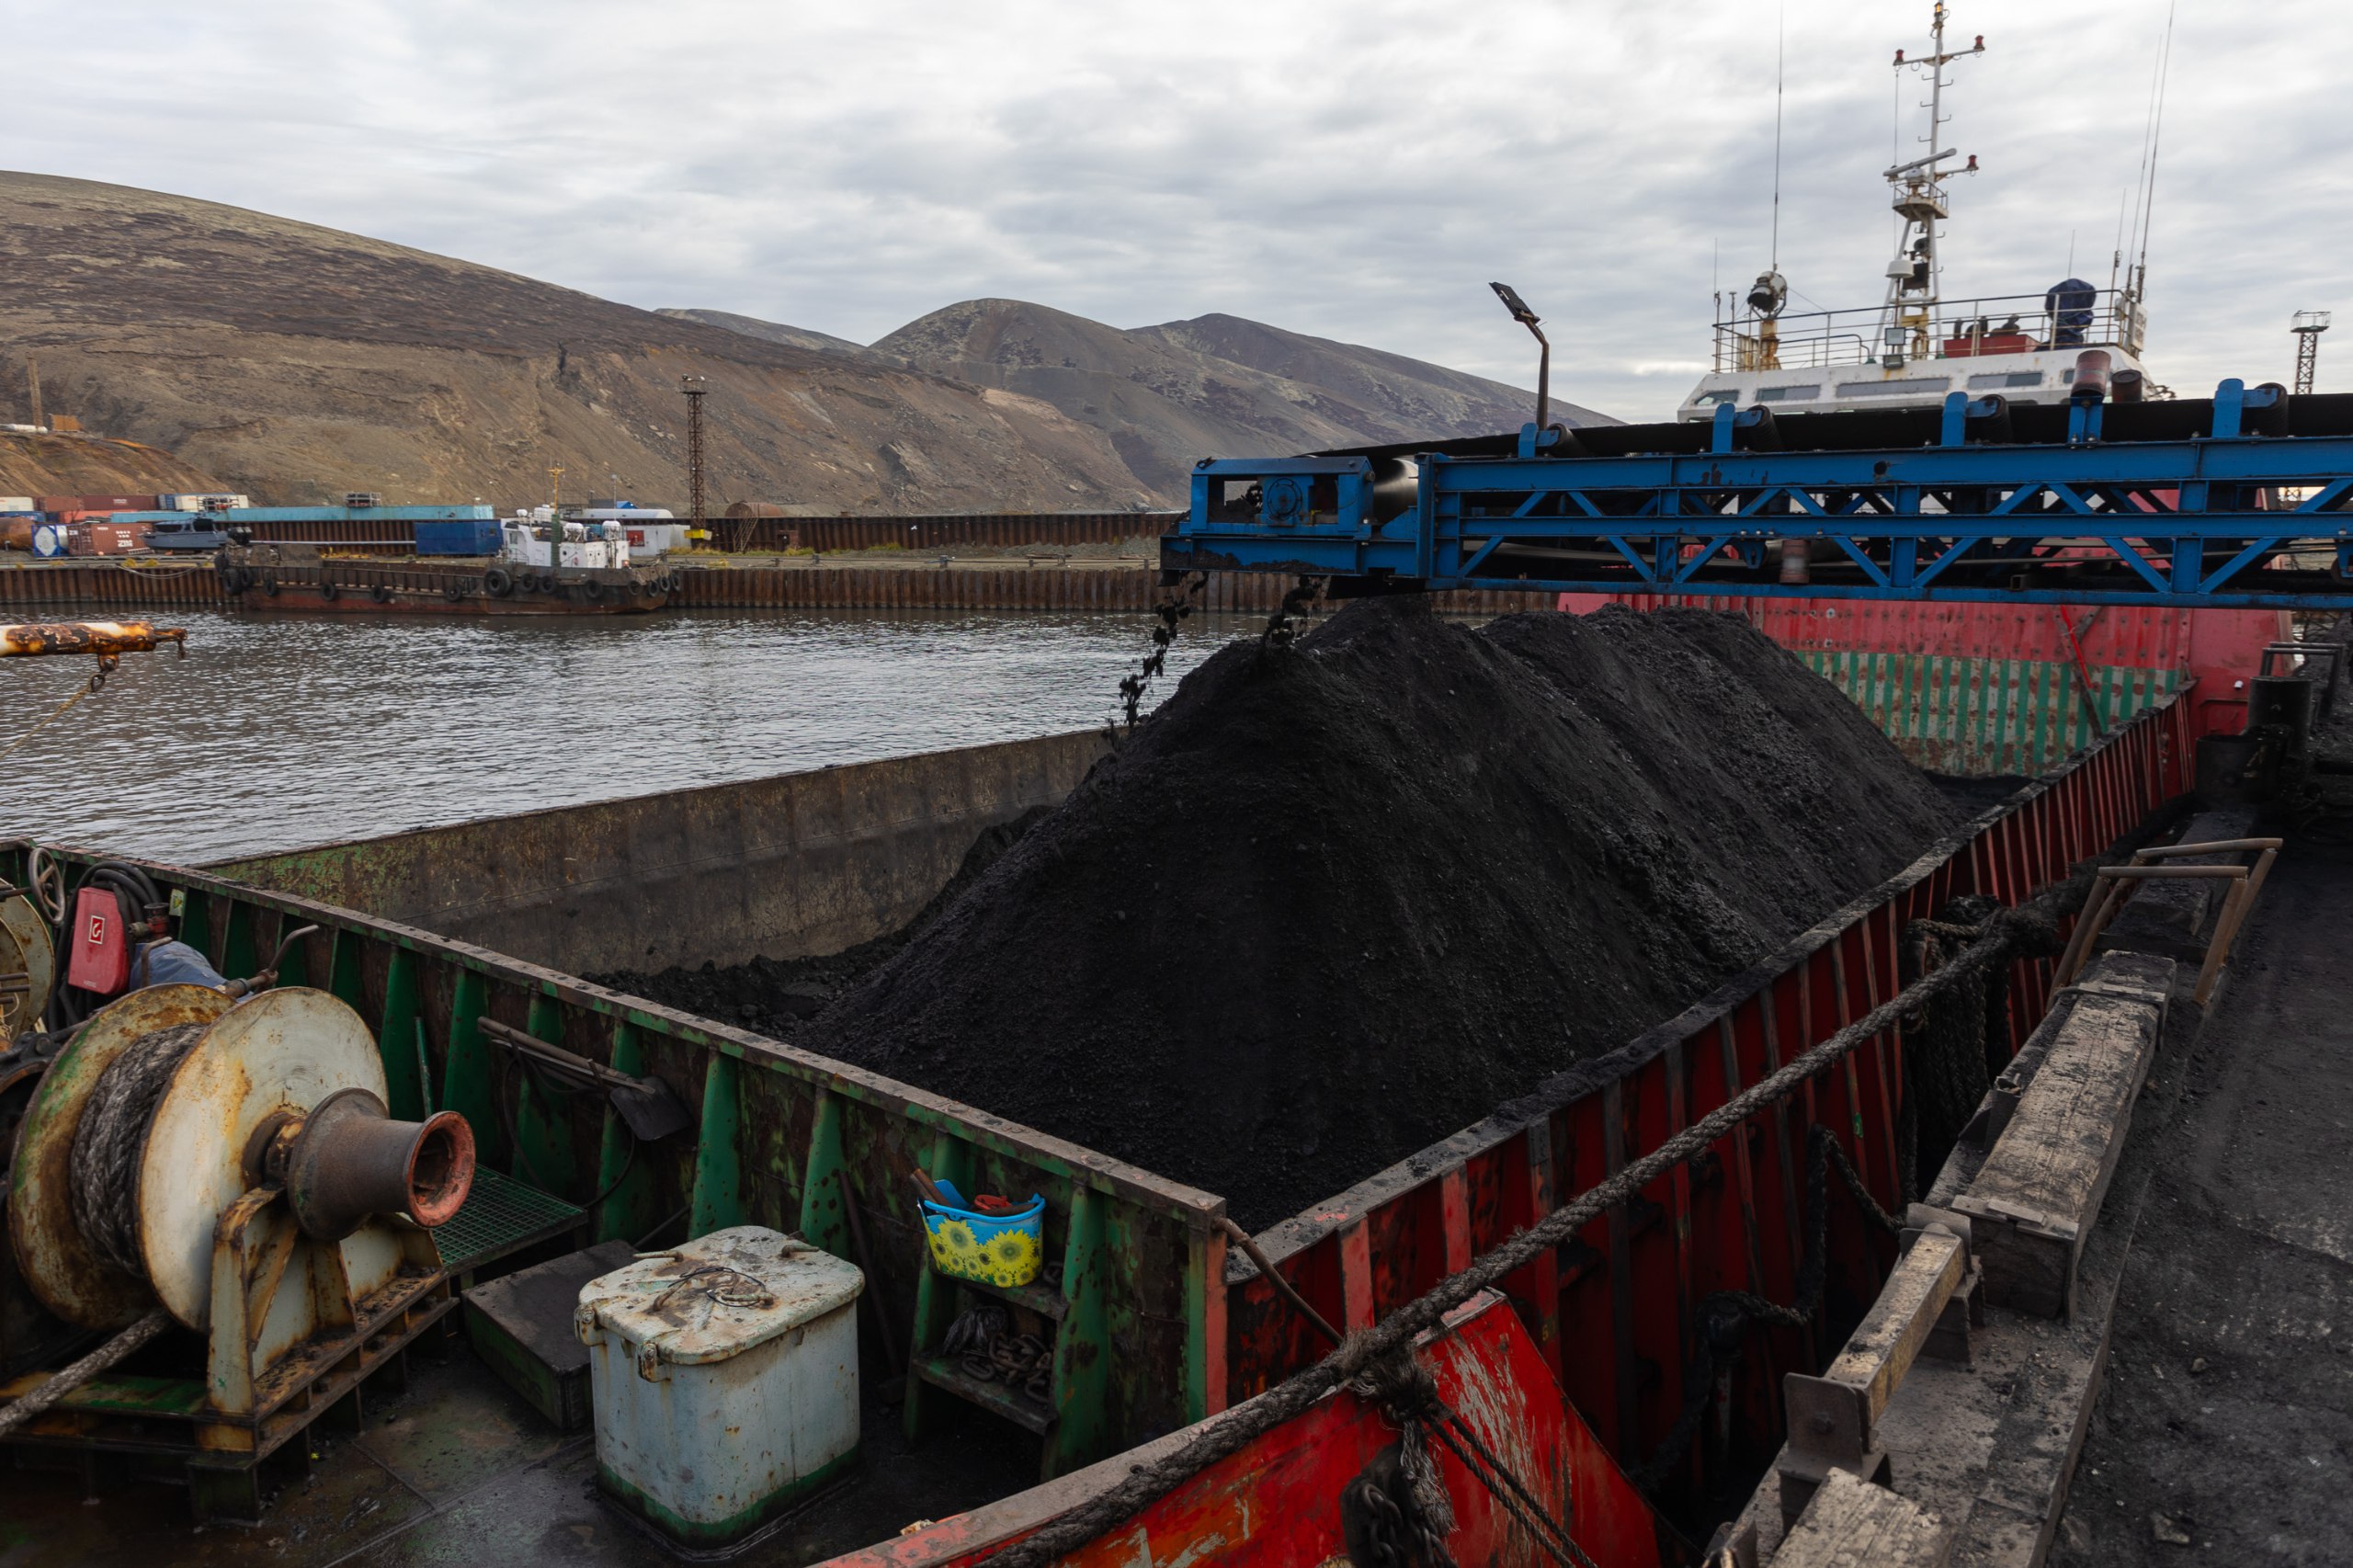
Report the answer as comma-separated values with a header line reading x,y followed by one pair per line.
x,y
1336,902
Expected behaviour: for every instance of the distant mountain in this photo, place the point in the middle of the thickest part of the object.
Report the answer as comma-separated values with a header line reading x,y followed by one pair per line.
x,y
777,332
1215,386
296,363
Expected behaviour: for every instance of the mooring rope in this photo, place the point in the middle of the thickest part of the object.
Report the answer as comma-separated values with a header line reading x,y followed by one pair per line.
x,y
55,714
2031,928
113,1135
62,1384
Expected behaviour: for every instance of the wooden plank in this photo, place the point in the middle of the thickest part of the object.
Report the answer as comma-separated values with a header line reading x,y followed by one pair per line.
x,y
2039,1191
1853,1523
1833,1417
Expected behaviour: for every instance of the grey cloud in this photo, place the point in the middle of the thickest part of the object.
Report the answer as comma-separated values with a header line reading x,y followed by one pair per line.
x,y
1353,171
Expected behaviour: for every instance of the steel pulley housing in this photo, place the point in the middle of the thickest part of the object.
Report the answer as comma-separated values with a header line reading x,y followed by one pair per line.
x,y
27,966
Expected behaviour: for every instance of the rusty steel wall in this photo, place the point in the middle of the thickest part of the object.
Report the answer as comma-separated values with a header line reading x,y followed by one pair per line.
x,y
123,586
1002,529
112,584
382,533
1044,589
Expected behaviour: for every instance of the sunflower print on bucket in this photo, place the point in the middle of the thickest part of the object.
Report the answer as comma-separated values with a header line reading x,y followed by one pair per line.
x,y
1005,1250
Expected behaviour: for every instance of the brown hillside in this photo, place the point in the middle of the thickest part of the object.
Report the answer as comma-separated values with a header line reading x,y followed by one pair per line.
x,y
82,465
296,363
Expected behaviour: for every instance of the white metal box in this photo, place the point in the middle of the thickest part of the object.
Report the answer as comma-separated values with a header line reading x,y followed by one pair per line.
x,y
724,1378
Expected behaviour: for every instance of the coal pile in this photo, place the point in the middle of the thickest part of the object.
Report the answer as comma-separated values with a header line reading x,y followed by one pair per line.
x,y
772,996
1331,904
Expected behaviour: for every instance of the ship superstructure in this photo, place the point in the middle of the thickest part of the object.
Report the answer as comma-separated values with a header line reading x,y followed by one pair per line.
x,y
1917,344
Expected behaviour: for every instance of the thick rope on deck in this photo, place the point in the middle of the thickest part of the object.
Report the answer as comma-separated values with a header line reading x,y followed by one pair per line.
x,y
2026,930
113,1135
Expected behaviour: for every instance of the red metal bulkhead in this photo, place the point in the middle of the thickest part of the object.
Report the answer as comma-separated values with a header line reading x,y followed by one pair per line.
x,y
1276,1503
101,960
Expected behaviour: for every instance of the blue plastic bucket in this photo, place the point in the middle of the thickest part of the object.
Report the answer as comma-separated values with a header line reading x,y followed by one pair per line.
x,y
1004,1250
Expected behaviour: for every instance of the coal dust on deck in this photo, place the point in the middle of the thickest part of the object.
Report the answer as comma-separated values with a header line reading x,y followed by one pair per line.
x,y
1333,903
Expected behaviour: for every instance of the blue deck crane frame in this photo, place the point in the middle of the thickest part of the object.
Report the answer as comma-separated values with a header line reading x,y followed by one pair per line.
x,y
2183,508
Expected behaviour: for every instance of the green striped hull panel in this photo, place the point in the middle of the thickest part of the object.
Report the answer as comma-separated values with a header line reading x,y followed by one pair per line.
x,y
1982,717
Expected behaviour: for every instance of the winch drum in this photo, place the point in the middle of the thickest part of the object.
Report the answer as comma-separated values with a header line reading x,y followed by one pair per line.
x,y
252,1076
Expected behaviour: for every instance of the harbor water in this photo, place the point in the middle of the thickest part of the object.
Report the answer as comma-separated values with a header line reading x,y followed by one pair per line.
x,y
276,733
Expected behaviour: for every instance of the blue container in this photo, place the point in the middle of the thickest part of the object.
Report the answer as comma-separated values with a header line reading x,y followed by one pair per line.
x,y
471,537
356,514
1005,1250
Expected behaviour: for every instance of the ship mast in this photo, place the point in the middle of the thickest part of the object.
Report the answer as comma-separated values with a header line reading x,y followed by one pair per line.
x,y
1920,199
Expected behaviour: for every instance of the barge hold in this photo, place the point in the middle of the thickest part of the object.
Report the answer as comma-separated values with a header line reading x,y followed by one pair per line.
x,y
1161,1327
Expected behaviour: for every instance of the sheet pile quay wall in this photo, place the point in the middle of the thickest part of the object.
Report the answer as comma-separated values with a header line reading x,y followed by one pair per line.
x,y
1163,1326
116,586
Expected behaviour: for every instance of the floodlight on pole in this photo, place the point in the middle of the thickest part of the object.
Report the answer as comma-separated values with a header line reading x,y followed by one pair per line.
x,y
2308,325
1528,318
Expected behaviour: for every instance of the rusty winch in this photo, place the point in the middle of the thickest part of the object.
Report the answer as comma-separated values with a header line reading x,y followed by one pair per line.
x,y
230,1166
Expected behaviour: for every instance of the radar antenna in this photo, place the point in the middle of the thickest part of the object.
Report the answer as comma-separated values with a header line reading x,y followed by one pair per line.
x,y
1919,201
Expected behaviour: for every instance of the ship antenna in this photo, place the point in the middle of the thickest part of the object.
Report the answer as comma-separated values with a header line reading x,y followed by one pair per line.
x,y
2145,186
2157,136
2116,256
1780,61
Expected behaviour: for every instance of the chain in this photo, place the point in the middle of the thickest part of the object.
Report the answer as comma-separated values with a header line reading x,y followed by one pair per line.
x,y
1279,633
1171,612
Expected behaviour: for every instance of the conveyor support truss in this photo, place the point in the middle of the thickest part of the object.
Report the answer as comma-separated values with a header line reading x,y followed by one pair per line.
x,y
2223,503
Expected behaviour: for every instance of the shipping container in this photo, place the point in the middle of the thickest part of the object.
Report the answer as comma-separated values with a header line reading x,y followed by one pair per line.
x,y
50,542
196,501
9,503
105,538
655,539
472,536
95,502
356,514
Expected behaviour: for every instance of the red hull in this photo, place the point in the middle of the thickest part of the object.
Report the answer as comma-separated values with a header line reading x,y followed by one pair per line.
x,y
1275,1504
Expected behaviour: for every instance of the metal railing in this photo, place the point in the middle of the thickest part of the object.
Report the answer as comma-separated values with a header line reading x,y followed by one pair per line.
x,y
1993,323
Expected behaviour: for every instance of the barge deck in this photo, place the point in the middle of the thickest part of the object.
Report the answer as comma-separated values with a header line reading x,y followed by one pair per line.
x,y
1174,1328
2226,1417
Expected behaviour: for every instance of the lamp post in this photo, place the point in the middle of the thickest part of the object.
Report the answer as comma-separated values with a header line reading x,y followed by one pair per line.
x,y
1528,318
2308,325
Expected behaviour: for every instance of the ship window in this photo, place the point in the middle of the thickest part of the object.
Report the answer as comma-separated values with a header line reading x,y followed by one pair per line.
x,y
1805,393
1911,387
1721,394
2006,379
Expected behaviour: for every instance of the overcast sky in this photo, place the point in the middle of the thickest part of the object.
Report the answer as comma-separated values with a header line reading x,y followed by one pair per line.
x,y
1357,171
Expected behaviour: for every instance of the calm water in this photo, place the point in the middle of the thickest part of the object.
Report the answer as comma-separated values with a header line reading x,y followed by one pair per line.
x,y
274,734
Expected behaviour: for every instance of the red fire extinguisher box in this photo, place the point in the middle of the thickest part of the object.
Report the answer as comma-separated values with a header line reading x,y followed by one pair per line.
x,y
101,959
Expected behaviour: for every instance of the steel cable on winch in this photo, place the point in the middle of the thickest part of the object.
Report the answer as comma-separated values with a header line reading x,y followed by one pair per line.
x,y
112,1136
2030,928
